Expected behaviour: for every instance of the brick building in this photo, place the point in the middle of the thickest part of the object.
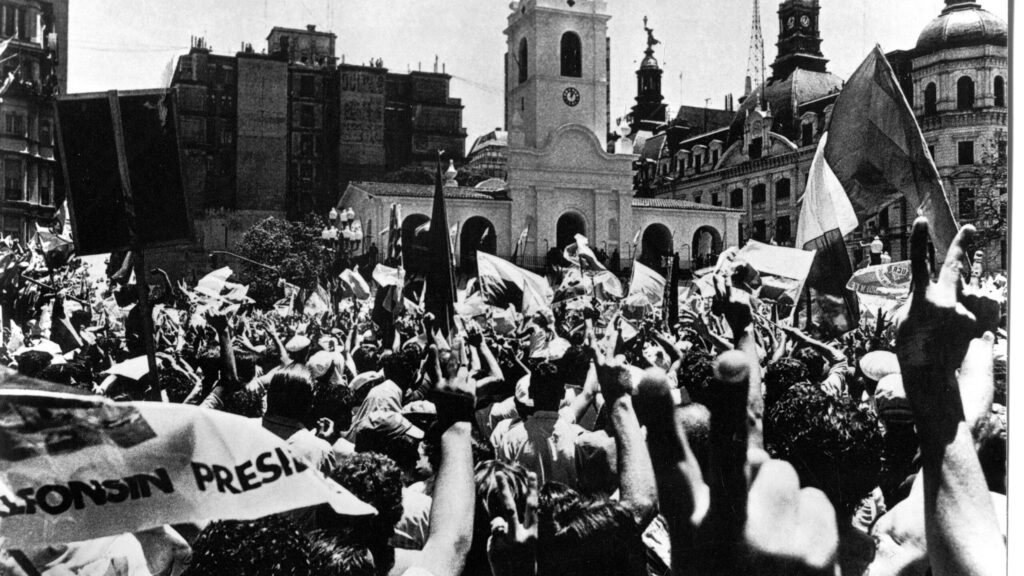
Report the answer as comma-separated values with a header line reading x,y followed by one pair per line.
x,y
33,69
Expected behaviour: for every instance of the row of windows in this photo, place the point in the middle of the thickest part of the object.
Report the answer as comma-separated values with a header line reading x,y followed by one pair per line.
x,y
18,181
759,195
965,154
782,233
18,125
571,50
969,209
965,95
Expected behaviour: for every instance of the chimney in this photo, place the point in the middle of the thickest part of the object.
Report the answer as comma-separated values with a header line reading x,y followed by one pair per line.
x,y
311,27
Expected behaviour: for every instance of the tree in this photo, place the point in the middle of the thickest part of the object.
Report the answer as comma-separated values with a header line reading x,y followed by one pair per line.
x,y
296,249
410,174
990,203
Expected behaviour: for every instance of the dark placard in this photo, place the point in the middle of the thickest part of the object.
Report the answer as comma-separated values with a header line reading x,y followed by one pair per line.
x,y
92,175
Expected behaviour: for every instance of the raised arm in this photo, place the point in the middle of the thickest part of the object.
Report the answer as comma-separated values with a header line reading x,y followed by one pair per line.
x,y
637,490
932,339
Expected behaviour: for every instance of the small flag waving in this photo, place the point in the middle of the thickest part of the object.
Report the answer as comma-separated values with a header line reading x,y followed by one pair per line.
x,y
878,153
580,254
825,204
646,287
503,283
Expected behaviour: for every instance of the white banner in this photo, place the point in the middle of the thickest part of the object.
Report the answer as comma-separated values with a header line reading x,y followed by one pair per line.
x,y
75,468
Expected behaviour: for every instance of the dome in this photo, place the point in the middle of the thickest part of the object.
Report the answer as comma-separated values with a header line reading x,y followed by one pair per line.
x,y
649,61
784,97
962,23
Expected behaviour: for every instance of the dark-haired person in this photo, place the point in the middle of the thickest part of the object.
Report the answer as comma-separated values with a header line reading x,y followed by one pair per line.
x,y
289,406
544,442
270,546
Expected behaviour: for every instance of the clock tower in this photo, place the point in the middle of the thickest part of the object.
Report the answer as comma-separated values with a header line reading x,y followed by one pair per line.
x,y
799,39
556,68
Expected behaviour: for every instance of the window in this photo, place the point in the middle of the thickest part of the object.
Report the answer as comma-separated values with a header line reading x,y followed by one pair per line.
x,y
965,93
740,233
45,178
755,151
931,151
760,230
807,134
883,221
965,199
572,55
714,157
783,232
965,153
306,144
307,87
782,190
1002,203
697,196
14,124
760,197
1000,91
307,116
1001,150
14,180
46,133
523,61
715,200
698,159
306,172
736,199
10,16
931,98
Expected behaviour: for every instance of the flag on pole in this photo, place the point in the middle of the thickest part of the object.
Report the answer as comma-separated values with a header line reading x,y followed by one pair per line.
x,y
580,254
503,283
353,284
825,203
878,154
646,287
440,278
394,254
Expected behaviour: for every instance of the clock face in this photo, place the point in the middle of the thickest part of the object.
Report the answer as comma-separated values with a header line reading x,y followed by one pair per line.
x,y
791,22
571,96
805,20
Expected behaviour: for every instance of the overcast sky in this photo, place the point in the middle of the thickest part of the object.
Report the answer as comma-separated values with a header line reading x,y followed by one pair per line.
x,y
128,44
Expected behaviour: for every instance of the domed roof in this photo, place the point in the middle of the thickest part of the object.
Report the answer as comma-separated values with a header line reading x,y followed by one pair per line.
x,y
962,23
649,61
784,97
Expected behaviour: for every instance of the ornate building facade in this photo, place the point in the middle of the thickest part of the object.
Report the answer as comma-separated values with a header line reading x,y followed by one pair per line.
x,y
955,78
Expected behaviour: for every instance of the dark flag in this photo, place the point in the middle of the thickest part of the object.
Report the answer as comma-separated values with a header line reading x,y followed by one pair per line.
x,y
440,285
877,152
394,254
62,332
832,304
670,307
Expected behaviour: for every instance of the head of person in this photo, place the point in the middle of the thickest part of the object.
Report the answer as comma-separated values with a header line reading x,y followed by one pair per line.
x,y
574,365
244,402
333,402
290,393
376,480
334,558
833,444
269,546
586,536
390,434
365,358
814,361
33,362
546,387
400,367
695,374
246,366
781,376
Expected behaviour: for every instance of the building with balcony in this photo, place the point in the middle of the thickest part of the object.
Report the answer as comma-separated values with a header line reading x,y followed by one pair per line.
x,y
33,69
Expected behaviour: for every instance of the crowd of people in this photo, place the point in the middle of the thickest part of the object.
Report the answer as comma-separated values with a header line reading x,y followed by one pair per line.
x,y
578,439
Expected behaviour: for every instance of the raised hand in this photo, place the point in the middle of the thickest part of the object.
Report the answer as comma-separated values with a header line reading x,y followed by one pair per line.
x,y
612,371
734,304
512,546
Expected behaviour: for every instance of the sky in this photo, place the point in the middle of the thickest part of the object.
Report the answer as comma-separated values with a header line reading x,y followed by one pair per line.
x,y
128,44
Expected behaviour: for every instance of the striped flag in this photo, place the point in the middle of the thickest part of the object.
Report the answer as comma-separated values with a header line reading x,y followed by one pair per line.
x,y
878,154
503,283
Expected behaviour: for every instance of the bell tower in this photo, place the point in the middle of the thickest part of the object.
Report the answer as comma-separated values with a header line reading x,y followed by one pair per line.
x,y
650,106
799,39
556,69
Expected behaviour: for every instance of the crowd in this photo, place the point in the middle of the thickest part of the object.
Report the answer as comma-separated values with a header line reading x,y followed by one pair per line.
x,y
577,439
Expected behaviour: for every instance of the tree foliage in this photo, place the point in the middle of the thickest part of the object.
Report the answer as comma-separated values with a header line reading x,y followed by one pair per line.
x,y
990,203
411,174
294,248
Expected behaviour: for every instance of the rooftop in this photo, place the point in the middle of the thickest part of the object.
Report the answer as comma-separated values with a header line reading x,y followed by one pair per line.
x,y
962,23
427,191
675,204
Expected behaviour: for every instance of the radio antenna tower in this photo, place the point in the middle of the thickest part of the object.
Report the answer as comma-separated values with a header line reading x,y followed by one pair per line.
x,y
755,63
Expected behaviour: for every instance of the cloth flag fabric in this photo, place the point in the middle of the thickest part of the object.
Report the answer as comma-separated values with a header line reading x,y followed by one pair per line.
x,y
648,285
888,280
825,203
580,254
354,284
503,283
832,304
783,272
394,255
317,303
77,467
61,331
440,277
520,244
878,153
